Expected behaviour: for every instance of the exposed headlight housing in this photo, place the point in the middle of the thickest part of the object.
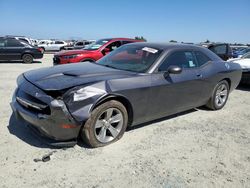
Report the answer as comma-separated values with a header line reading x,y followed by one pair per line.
x,y
87,92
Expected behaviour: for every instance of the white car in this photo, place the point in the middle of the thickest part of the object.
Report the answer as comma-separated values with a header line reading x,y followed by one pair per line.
x,y
244,62
48,45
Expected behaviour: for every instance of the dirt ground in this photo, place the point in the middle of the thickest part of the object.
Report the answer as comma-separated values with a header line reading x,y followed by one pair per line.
x,y
198,148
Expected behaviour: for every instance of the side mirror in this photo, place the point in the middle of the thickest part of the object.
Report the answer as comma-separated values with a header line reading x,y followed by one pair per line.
x,y
174,69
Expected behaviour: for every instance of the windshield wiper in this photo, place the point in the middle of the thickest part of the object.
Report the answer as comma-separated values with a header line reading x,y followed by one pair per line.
x,y
110,66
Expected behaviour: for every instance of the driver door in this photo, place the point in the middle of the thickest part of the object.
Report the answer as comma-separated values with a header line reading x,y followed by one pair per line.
x,y
173,93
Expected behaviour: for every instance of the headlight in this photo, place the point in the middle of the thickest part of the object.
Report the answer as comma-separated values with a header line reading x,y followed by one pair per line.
x,y
20,79
87,92
71,56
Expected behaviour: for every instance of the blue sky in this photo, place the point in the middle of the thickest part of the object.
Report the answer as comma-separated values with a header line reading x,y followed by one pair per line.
x,y
158,20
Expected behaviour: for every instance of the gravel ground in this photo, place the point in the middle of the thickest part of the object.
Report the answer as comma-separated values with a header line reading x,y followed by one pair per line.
x,y
198,148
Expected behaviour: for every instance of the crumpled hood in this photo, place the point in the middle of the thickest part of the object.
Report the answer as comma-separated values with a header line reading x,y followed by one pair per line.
x,y
73,52
66,76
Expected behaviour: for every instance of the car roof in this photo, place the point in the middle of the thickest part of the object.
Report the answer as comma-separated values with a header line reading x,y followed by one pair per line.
x,y
110,39
177,46
167,46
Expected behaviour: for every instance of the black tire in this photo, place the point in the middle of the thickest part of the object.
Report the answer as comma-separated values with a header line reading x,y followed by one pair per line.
x,y
62,48
27,58
88,60
89,131
213,101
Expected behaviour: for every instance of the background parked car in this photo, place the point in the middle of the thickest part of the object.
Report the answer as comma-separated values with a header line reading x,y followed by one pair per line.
x,y
79,45
240,52
223,50
13,49
244,62
93,52
52,45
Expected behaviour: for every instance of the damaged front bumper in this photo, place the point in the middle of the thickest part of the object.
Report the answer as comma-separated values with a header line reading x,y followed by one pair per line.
x,y
48,117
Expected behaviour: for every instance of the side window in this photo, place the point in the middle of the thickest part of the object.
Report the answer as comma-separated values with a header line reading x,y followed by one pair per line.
x,y
183,59
79,44
219,49
59,42
23,40
114,45
2,43
13,43
245,56
201,58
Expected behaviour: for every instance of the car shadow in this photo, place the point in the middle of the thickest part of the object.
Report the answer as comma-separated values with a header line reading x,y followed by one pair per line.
x,y
23,132
243,87
161,119
18,62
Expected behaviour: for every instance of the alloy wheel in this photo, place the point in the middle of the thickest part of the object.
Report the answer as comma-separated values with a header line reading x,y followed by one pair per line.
x,y
221,95
108,125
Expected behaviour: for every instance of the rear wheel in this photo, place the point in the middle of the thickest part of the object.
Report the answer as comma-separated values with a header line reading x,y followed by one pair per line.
x,y
220,96
106,124
27,58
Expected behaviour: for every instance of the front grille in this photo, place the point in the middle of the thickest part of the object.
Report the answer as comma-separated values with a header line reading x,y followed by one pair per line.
x,y
31,103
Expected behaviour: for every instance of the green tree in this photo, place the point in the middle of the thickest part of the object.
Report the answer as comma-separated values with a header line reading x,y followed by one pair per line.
x,y
140,38
207,41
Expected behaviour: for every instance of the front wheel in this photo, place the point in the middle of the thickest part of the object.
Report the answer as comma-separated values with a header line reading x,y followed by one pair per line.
x,y
106,124
219,96
27,58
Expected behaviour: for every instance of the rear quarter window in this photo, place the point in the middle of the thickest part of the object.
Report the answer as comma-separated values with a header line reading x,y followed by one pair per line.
x,y
201,58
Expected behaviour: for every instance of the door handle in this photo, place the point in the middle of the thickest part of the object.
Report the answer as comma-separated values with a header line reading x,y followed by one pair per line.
x,y
199,75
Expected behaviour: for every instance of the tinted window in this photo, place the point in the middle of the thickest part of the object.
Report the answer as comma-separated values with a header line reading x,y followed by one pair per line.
x,y
183,59
219,49
13,43
2,42
79,44
246,56
114,45
201,58
59,42
24,40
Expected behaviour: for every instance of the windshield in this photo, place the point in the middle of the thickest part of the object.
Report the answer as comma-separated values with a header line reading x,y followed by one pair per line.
x,y
246,56
96,45
131,58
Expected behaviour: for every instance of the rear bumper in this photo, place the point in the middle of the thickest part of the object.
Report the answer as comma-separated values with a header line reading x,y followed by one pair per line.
x,y
57,128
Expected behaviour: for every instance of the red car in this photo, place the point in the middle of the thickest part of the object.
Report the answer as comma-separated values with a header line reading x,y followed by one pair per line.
x,y
93,52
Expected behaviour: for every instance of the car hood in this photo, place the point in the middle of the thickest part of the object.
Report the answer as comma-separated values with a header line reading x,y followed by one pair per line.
x,y
67,76
72,52
244,63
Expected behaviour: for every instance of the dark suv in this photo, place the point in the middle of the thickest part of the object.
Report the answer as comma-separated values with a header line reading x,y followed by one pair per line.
x,y
223,50
13,49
